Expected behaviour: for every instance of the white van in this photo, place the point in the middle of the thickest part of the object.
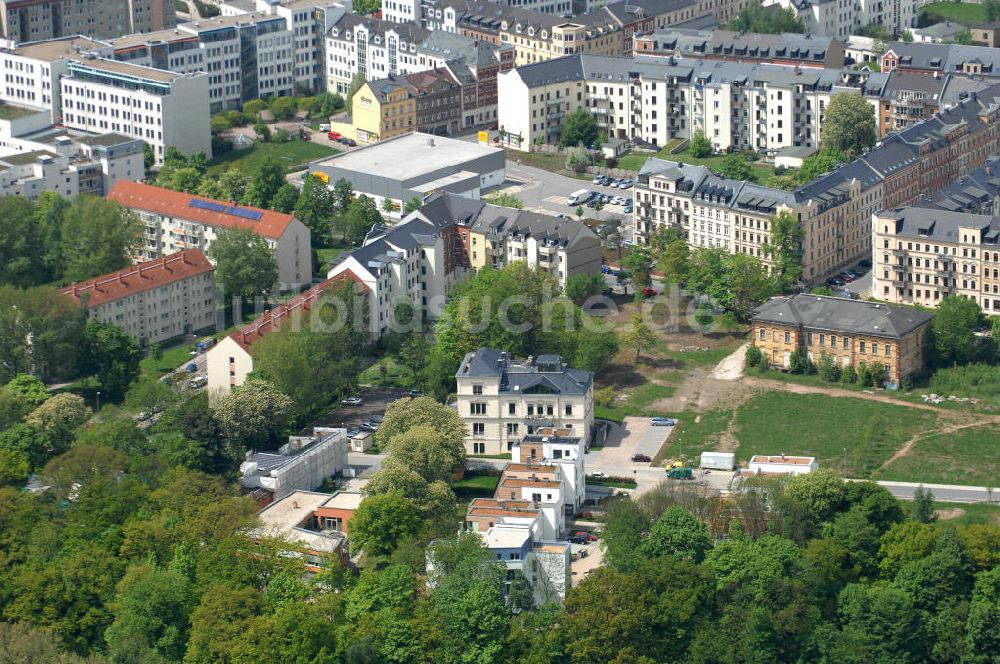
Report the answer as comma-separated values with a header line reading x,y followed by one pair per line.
x,y
579,197
324,128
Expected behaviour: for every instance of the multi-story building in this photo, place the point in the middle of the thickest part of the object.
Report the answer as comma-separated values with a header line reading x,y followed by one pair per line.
x,y
562,449
910,97
941,59
922,255
737,106
175,221
783,49
384,108
376,49
153,301
843,18
36,20
851,332
230,361
503,400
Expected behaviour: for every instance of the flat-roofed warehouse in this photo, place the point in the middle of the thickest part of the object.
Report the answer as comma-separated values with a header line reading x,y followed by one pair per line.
x,y
415,165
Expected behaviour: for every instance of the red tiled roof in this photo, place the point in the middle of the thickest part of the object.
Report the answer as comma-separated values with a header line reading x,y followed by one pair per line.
x,y
177,204
139,278
301,303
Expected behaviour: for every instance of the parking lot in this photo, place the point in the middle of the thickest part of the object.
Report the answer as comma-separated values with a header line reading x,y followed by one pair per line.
x,y
350,417
635,435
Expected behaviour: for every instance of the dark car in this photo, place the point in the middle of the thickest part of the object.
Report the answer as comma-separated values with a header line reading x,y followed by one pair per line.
x,y
865,263
575,539
834,281
590,537
343,140
641,458
592,202
415,393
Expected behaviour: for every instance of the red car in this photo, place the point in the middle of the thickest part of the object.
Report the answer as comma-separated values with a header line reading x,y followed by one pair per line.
x,y
590,537
649,291
334,135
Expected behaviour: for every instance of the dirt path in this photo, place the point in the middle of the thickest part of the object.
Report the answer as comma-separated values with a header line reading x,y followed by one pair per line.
x,y
731,368
908,445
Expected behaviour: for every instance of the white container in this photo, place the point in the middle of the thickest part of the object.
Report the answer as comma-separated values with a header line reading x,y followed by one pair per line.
x,y
718,460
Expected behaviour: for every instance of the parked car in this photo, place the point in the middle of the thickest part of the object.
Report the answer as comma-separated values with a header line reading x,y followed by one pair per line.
x,y
370,426
143,416
573,539
834,281
662,421
352,432
846,278
353,401
350,142
628,209
618,200
377,419
598,475
592,202
641,458
590,537
416,393
625,184
191,368
305,136
198,381
334,135
865,263
598,179
649,291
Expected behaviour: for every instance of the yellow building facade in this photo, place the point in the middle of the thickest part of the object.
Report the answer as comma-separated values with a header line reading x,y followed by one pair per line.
x,y
378,114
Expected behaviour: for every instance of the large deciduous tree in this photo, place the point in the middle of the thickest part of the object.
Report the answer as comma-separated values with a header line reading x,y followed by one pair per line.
x,y
254,415
315,209
265,183
245,265
111,355
849,124
404,414
954,330
785,249
382,521
580,128
97,236
22,248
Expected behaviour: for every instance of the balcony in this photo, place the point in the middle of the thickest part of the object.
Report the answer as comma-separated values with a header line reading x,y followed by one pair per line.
x,y
599,97
540,420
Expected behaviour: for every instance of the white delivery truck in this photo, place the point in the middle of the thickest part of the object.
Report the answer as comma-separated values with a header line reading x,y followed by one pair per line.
x,y
579,197
718,460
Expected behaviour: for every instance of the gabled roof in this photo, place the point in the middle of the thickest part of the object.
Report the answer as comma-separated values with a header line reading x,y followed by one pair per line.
x,y
139,278
180,205
838,314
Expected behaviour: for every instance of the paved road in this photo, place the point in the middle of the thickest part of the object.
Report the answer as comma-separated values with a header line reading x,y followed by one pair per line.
x,y
548,191
946,493
862,286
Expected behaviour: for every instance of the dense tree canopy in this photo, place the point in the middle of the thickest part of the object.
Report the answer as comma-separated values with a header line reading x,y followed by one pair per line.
x,y
849,124
245,265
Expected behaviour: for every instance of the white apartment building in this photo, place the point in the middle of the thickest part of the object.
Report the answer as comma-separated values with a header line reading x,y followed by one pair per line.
x,y
504,400
377,49
843,18
922,255
155,300
557,447
159,107
736,105
175,221
561,247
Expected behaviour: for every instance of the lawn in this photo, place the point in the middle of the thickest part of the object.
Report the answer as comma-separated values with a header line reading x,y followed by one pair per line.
x,y
806,379
975,513
823,427
294,154
327,256
612,482
694,434
637,402
967,456
475,486
387,373
173,357
965,13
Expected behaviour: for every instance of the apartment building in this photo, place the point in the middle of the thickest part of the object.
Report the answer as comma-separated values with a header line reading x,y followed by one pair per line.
x,y
375,48
558,448
298,521
430,101
175,221
503,399
782,49
910,97
738,106
37,20
851,332
941,59
230,361
153,301
922,255
843,18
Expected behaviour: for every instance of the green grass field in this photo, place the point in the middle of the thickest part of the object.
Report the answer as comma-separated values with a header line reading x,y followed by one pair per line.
x,y
695,434
294,155
639,402
967,456
395,374
173,357
822,426
634,162
975,513
965,13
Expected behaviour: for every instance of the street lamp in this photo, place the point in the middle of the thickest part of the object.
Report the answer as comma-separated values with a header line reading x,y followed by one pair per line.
x,y
845,463
98,401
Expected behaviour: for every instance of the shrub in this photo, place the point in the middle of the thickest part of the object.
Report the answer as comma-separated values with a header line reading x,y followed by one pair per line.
x,y
847,376
604,396
977,380
798,363
828,369
752,357
864,374
877,374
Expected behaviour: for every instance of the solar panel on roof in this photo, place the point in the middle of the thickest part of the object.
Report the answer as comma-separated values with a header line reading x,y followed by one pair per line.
x,y
206,205
244,212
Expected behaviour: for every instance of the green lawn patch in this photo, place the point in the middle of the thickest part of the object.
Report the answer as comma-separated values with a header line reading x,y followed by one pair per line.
x,y
638,402
967,456
975,513
616,483
965,13
823,427
694,434
173,357
294,155
386,372
807,379
491,456
635,161
475,486
327,256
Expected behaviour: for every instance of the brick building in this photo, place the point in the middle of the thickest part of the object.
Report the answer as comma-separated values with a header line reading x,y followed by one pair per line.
x,y
852,332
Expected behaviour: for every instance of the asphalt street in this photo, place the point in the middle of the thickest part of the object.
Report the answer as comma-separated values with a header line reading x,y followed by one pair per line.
x,y
946,493
542,190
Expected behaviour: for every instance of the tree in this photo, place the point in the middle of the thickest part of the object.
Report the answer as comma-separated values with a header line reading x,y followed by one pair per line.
x,y
50,208
430,499
640,336
58,418
15,468
579,128
822,493
415,203
578,159
219,620
736,167
356,82
673,261
22,248
253,415
245,265
148,156
923,505
770,20
283,108
422,450
785,249
382,521
579,287
39,332
194,421
31,390
368,6
849,124
700,145
151,614
343,194
263,131
505,199
253,107
234,184
954,331
98,236
285,199
265,183
678,533
982,628
822,162
28,441
185,179
362,215
111,355
638,263
404,414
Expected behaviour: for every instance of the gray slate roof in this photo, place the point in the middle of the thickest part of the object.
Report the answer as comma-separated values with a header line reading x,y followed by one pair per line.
x,y
838,314
974,193
518,376
942,225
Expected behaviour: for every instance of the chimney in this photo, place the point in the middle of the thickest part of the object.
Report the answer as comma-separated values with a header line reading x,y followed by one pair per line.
x,y
295,504
121,277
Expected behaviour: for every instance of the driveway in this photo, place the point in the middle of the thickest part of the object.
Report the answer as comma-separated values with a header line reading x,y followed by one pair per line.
x,y
581,567
634,436
376,399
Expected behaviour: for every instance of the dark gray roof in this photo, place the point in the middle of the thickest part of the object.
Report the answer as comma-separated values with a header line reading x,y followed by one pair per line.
x,y
750,45
893,156
517,376
942,225
838,314
973,193
945,57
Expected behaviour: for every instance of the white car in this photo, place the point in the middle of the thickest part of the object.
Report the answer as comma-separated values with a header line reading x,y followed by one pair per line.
x,y
198,381
353,401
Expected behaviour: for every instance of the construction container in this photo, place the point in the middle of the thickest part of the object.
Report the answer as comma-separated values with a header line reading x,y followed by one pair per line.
x,y
718,460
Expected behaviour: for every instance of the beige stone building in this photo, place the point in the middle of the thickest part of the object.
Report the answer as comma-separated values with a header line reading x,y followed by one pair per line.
x,y
923,255
852,332
35,20
153,301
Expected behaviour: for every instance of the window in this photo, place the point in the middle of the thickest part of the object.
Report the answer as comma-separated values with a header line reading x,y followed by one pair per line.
x,y
874,348
569,410
512,428
512,408
846,343
833,340
480,448
788,337
763,334
477,389
477,409
861,346
888,350
478,429
822,339
809,338
537,497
